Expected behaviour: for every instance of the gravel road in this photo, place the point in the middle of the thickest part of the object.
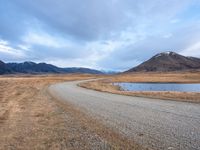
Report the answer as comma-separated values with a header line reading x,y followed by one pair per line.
x,y
156,124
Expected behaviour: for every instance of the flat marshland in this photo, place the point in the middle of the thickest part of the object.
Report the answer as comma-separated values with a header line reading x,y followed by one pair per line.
x,y
106,85
31,119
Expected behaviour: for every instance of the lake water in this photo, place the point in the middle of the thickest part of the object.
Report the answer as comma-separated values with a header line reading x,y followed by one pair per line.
x,y
159,87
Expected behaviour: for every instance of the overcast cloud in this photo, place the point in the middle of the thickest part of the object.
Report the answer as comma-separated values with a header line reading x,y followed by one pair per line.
x,y
101,34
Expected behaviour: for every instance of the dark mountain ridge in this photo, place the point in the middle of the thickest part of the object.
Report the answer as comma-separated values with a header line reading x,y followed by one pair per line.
x,y
166,62
31,67
39,68
4,68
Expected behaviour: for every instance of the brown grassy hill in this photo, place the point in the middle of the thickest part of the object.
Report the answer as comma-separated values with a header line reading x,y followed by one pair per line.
x,y
168,61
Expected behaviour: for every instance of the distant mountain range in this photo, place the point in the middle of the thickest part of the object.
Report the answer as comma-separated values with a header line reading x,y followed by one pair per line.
x,y
162,62
40,68
166,62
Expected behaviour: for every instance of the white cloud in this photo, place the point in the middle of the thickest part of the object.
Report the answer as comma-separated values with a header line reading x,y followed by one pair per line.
x,y
24,47
3,42
7,49
174,21
192,50
169,35
42,38
78,62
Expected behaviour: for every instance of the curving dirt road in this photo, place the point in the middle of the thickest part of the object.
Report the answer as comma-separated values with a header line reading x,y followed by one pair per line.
x,y
156,124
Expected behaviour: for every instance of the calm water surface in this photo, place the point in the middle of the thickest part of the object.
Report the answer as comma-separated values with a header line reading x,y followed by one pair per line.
x,y
159,87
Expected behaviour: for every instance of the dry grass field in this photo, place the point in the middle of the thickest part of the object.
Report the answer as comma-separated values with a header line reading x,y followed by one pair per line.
x,y
173,77
31,119
187,77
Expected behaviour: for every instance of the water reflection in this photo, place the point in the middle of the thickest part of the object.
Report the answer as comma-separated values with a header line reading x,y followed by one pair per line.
x,y
159,87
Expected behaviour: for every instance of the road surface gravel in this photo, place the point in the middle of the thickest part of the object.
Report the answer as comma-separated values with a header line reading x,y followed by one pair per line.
x,y
153,123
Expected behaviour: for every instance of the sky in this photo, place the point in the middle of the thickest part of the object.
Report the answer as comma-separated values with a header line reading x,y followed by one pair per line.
x,y
101,34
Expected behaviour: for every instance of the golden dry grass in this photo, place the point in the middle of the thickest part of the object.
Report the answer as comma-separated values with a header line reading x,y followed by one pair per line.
x,y
173,77
31,119
187,77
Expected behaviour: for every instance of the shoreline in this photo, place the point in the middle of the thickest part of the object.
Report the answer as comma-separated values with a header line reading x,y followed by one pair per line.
x,y
106,85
